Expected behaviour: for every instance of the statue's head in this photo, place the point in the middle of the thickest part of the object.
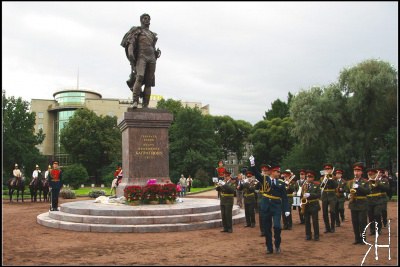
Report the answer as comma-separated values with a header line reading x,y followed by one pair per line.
x,y
143,16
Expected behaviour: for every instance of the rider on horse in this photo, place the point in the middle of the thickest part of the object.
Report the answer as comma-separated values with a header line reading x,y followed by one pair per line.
x,y
35,175
17,175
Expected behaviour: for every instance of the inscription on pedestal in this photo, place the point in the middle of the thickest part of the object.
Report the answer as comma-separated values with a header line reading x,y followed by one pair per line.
x,y
144,147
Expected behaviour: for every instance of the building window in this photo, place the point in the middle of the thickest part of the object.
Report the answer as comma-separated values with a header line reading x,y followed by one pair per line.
x,y
40,126
40,115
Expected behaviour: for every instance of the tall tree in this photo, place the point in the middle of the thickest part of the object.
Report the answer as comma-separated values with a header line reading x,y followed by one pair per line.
x,y
19,138
194,145
371,88
94,141
279,109
272,140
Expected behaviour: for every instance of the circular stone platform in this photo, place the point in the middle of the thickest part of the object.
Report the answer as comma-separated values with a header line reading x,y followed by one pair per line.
x,y
87,216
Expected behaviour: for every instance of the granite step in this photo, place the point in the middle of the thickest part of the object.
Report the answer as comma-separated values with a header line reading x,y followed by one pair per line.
x,y
87,216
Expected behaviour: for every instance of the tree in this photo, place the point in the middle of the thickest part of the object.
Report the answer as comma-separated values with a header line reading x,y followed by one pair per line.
x,y
279,109
92,141
232,135
272,140
171,105
19,138
349,119
75,175
193,146
371,89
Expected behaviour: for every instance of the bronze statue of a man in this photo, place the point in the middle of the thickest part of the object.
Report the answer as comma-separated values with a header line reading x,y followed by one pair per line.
x,y
140,48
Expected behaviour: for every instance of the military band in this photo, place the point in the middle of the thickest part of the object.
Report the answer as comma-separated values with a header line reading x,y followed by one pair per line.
x,y
367,201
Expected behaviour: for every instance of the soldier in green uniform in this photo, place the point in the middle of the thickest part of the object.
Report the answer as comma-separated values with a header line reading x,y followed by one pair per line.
x,y
227,190
375,200
310,194
384,195
248,187
328,197
358,204
291,188
339,209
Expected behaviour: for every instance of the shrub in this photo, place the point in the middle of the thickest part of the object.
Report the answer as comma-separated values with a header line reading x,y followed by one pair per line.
x,y
203,177
75,175
97,193
67,193
196,183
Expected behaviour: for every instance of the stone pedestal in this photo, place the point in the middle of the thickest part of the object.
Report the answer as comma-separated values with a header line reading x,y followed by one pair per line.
x,y
144,146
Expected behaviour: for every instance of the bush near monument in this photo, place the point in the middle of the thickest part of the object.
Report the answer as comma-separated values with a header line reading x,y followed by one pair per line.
x,y
67,193
97,193
75,175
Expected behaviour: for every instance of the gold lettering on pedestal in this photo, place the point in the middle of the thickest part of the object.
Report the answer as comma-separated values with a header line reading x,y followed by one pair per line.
x,y
148,148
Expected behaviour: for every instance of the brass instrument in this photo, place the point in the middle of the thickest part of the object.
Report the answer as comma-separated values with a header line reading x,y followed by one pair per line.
x,y
373,181
303,199
325,181
288,182
353,194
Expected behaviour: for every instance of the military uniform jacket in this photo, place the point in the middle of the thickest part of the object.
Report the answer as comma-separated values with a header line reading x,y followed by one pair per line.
x,y
55,178
249,194
329,193
315,194
360,202
378,193
341,189
227,193
271,191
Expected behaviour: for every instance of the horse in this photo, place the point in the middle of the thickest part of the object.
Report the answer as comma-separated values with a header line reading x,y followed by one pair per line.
x,y
44,187
16,184
34,188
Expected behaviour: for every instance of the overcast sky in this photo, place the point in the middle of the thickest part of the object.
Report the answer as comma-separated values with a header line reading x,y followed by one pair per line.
x,y
238,57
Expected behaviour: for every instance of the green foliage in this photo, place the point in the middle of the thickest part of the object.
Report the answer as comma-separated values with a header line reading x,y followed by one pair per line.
x,y
203,177
107,173
352,119
279,109
196,183
75,175
192,143
94,141
171,105
19,138
67,193
97,193
272,140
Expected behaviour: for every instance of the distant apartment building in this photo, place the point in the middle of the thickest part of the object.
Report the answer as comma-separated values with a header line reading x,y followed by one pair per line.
x,y
233,165
53,114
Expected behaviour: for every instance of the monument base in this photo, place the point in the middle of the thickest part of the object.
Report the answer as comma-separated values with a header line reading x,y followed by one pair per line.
x,y
145,153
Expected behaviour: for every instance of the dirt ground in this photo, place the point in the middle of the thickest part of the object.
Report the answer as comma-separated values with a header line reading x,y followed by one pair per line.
x,y
25,242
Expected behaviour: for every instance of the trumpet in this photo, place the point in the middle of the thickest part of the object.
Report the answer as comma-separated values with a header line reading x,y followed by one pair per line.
x,y
353,194
325,181
373,181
